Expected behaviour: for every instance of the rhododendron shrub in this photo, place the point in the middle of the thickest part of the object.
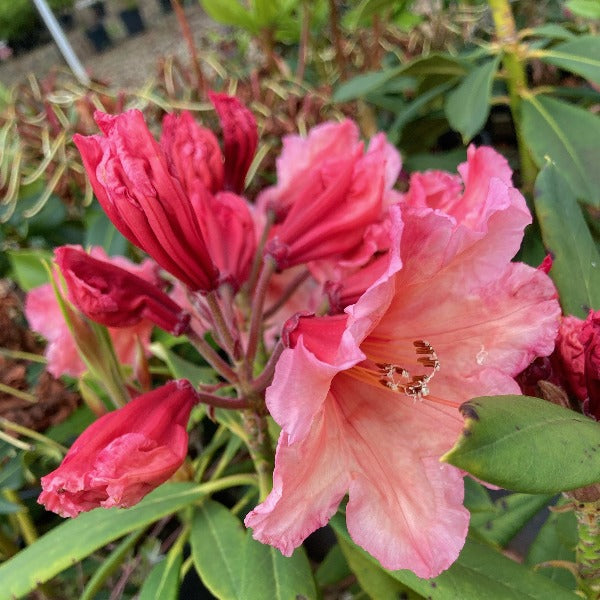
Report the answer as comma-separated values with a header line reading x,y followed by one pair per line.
x,y
355,316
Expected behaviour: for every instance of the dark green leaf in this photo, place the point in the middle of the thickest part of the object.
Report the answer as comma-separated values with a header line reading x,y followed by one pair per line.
x,y
334,568
568,136
580,55
527,445
374,579
218,546
552,30
556,540
363,84
27,268
77,538
576,268
479,572
7,507
508,516
181,368
234,566
443,161
99,231
163,581
468,105
11,473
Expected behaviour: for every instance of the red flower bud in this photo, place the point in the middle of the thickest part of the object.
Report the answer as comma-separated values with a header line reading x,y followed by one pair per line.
x,y
123,455
114,296
590,338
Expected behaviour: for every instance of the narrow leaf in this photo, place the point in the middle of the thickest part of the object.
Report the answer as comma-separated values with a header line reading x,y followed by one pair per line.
x,y
468,105
77,538
527,445
568,136
576,267
27,267
163,581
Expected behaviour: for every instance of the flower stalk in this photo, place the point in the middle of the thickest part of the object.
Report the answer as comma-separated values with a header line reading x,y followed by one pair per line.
x,y
516,81
587,551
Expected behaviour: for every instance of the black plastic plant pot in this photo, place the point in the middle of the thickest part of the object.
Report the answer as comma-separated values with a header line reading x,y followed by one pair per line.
x,y
132,19
99,37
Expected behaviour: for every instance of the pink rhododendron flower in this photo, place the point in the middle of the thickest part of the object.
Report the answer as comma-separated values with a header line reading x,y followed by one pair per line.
x,y
328,192
123,455
156,194
45,317
367,400
569,357
115,297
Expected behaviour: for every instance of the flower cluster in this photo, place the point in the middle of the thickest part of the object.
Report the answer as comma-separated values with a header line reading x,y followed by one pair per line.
x,y
358,316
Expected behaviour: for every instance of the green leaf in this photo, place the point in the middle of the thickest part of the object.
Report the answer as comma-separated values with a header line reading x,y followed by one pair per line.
x,y
7,507
234,566
230,12
589,9
552,30
508,516
218,545
468,105
434,64
334,568
576,267
163,581
77,538
27,267
181,368
569,136
363,84
479,572
11,473
580,55
99,231
556,540
527,445
373,579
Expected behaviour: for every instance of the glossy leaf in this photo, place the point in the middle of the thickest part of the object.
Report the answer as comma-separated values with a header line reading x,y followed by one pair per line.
x,y
468,105
568,136
181,368
576,267
77,538
580,55
479,572
334,568
232,565
589,9
527,445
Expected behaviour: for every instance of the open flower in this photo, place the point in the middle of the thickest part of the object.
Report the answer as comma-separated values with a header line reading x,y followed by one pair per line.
x,y
114,296
150,190
123,455
368,400
44,315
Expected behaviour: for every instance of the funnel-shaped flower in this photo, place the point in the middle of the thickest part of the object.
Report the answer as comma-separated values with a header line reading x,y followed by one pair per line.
x,y
44,315
114,296
123,455
368,400
329,191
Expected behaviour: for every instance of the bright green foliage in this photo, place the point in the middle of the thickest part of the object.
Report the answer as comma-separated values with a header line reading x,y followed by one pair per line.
x,y
527,445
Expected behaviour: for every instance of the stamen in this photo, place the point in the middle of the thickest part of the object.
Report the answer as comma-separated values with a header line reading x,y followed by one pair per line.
x,y
416,387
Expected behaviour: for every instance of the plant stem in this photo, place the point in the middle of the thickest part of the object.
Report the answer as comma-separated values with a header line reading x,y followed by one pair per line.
x,y
28,530
334,23
261,450
587,552
513,61
304,37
